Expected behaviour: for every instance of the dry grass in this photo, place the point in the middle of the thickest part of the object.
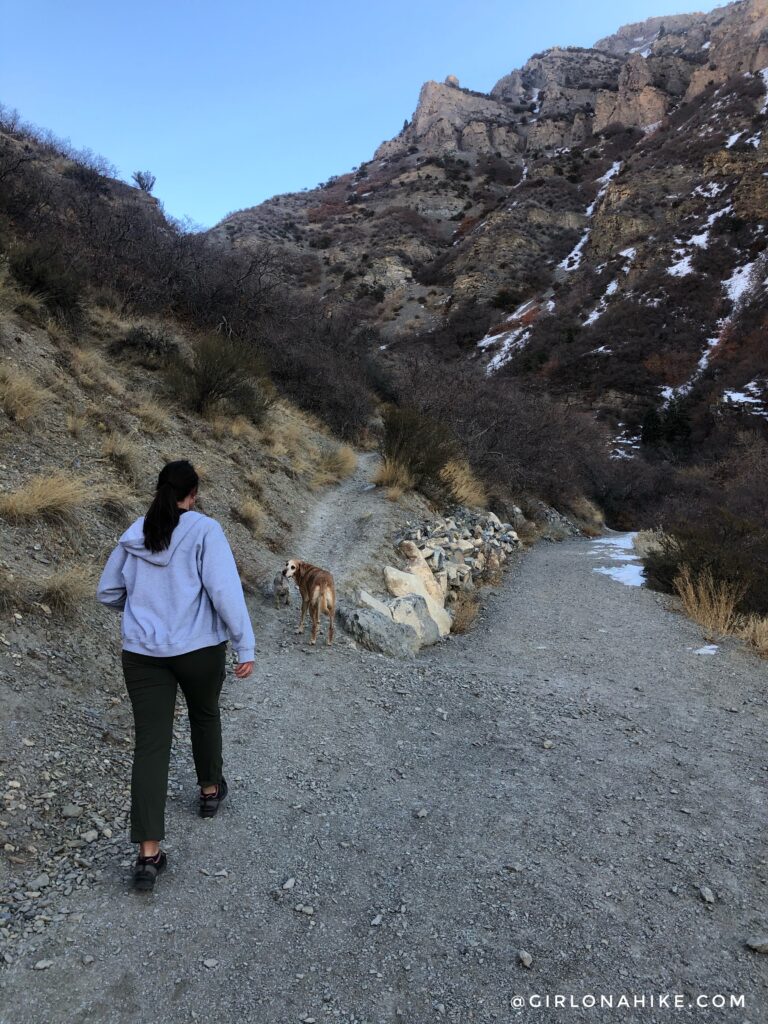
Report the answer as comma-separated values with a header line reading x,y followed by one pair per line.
x,y
154,417
712,603
754,630
67,589
237,427
394,475
334,466
462,483
250,514
11,591
116,501
124,454
91,371
464,609
254,480
52,497
648,542
21,398
76,423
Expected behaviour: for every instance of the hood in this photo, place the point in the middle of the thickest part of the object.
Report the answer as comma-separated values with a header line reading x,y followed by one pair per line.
x,y
133,538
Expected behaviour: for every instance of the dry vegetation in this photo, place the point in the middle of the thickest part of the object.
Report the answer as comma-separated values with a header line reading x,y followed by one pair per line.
x,y
465,610
67,589
21,398
250,514
710,602
334,466
462,483
125,455
52,497
395,477
154,416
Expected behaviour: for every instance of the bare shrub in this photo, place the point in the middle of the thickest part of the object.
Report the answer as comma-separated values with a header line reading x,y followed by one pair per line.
x,y
52,497
710,602
150,346
223,373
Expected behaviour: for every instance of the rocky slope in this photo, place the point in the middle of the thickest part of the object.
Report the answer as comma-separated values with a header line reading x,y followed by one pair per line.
x,y
594,224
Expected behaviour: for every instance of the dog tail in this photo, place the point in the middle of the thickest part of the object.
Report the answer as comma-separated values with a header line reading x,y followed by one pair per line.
x,y
328,601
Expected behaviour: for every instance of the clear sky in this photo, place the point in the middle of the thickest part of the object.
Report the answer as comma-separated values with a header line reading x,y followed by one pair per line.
x,y
229,103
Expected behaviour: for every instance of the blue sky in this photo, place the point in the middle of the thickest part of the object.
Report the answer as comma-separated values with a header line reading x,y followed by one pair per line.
x,y
230,103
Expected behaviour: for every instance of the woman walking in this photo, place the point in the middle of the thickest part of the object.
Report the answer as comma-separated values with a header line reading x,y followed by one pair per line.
x,y
174,577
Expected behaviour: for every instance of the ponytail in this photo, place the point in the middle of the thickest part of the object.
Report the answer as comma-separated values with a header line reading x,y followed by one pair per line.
x,y
175,482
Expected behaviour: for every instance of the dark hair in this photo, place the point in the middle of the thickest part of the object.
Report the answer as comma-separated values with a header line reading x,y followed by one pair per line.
x,y
174,483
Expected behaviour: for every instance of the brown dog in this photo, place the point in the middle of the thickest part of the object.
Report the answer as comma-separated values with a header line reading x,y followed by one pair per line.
x,y
318,594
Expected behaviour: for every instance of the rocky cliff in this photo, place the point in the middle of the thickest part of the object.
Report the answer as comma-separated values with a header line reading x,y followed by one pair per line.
x,y
594,224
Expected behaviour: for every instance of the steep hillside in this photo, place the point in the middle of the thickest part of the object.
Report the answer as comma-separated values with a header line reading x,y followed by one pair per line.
x,y
594,226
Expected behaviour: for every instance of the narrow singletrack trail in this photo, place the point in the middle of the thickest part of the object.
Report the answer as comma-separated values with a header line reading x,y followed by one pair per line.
x,y
569,779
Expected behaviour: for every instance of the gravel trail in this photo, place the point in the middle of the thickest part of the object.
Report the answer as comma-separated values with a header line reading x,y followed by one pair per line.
x,y
570,779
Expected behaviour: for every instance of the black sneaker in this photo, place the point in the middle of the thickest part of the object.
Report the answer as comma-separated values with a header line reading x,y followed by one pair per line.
x,y
146,870
209,802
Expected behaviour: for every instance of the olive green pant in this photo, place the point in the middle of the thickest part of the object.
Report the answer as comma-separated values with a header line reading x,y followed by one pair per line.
x,y
151,683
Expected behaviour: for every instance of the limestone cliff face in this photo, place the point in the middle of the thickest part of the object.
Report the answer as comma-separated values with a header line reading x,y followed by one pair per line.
x,y
637,101
449,119
587,181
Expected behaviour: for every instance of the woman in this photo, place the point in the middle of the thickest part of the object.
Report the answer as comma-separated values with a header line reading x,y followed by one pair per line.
x,y
174,576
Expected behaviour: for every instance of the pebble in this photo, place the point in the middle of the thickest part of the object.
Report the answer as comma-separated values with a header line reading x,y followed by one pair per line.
x,y
289,883
41,882
376,921
758,943
422,812
548,744
91,835
525,958
210,963
43,965
71,811
88,959
706,894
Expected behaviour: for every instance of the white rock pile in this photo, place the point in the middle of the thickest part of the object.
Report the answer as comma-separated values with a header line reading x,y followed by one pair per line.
x,y
442,558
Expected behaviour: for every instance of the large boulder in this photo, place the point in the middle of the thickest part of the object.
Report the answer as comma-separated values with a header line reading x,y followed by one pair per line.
x,y
402,584
413,611
378,632
417,565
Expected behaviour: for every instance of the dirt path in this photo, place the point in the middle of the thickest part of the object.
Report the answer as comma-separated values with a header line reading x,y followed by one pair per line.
x,y
564,780
339,533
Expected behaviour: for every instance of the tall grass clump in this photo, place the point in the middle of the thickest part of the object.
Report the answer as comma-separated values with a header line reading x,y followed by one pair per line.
x,y
52,497
711,602
462,484
67,589
21,398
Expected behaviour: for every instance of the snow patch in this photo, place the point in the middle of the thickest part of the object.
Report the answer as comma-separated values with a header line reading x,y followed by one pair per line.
x,y
573,259
682,267
733,139
618,548
707,649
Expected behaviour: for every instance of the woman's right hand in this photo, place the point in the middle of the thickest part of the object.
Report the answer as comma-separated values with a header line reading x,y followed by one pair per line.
x,y
244,669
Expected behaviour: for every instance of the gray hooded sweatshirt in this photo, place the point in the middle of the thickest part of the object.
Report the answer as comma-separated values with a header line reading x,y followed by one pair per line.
x,y
177,600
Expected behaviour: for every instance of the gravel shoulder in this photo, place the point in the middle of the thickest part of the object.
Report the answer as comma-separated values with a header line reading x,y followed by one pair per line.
x,y
564,780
